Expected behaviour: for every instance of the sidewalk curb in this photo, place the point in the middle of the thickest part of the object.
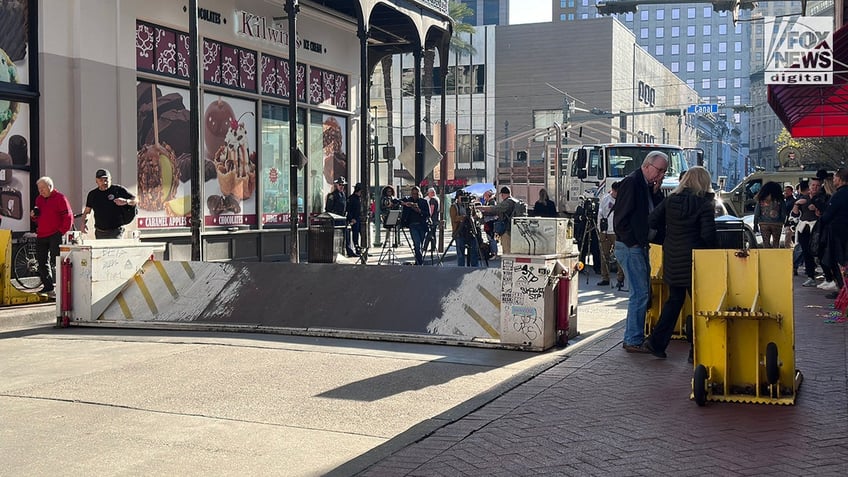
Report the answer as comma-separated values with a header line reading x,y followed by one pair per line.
x,y
15,318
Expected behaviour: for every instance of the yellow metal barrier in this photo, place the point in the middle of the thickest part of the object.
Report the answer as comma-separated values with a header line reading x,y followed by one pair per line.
x,y
744,331
10,294
659,294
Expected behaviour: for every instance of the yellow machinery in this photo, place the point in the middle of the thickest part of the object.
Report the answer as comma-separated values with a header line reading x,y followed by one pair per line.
x,y
744,332
10,294
659,293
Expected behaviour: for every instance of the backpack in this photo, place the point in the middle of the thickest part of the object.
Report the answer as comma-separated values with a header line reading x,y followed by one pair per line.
x,y
519,209
128,213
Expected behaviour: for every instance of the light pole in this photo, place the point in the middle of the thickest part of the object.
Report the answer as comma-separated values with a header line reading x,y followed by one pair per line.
x,y
377,193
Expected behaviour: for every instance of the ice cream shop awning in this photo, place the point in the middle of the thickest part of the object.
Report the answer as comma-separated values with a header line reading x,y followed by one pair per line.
x,y
816,110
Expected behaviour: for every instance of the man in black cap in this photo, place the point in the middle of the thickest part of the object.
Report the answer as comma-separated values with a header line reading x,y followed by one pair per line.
x,y
336,202
109,203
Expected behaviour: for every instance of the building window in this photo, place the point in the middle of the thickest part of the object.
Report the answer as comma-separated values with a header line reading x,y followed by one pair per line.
x,y
491,12
660,32
675,31
722,83
675,14
722,47
737,100
562,17
690,13
690,83
722,65
722,29
658,51
708,12
705,48
570,17
737,65
675,67
675,49
690,48
737,46
584,16
643,15
690,31
737,82
628,17
690,66
705,83
643,33
470,148
758,56
708,29
705,65
660,14
562,3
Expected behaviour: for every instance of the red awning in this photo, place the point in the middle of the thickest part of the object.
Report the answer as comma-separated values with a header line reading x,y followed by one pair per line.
x,y
816,111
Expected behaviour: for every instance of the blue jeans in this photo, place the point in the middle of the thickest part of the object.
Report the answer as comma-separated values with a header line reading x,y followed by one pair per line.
x,y
418,231
473,255
636,267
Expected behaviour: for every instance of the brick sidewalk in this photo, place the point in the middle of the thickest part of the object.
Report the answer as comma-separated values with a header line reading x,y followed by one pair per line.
x,y
605,412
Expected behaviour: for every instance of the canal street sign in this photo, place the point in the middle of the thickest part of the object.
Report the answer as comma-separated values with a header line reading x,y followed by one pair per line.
x,y
702,108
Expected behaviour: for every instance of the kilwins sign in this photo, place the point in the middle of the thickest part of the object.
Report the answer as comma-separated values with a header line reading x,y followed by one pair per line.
x,y
799,50
259,28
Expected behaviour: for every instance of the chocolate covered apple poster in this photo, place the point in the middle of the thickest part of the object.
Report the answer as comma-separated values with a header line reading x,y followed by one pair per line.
x,y
229,149
164,156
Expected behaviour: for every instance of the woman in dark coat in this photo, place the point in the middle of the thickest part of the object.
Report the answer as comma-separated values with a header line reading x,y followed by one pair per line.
x,y
544,207
688,218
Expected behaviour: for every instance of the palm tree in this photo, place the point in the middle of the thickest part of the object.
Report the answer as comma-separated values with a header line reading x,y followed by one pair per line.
x,y
458,45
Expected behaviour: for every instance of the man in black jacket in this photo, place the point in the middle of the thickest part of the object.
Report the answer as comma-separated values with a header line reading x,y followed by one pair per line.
x,y
835,219
638,194
353,216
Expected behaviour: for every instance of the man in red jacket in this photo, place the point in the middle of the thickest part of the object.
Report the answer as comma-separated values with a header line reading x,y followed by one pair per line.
x,y
52,214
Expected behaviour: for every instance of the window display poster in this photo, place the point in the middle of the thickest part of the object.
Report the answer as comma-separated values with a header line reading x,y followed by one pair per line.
x,y
328,135
15,163
164,157
275,170
229,141
14,54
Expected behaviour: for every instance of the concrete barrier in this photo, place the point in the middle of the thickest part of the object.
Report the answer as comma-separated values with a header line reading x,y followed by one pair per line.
x,y
421,303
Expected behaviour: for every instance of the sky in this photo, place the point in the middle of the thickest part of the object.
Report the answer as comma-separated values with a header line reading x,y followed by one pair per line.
x,y
529,11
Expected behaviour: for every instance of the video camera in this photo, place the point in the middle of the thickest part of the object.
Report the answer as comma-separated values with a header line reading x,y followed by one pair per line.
x,y
464,198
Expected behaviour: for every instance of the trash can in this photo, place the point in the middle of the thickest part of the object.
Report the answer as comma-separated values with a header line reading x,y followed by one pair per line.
x,y
730,232
326,238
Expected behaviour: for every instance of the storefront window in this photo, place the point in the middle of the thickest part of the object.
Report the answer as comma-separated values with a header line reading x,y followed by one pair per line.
x,y
328,155
229,139
276,205
15,163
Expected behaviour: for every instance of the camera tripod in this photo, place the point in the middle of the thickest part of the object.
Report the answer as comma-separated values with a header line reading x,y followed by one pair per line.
x,y
589,240
482,258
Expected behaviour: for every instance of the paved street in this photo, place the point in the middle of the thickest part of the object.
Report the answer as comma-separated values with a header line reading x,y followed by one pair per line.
x,y
109,402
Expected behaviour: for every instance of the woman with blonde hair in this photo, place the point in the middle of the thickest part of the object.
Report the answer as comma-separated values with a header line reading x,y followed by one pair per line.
x,y
686,220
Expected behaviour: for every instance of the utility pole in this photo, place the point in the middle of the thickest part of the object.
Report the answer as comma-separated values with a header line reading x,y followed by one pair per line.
x,y
378,196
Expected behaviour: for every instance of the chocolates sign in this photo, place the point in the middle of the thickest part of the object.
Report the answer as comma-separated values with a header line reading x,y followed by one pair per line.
x,y
259,28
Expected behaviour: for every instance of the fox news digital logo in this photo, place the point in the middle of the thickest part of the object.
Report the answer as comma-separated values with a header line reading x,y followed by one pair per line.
x,y
799,50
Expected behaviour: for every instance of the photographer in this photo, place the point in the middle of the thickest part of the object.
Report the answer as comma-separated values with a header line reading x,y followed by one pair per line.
x,y
416,216
465,229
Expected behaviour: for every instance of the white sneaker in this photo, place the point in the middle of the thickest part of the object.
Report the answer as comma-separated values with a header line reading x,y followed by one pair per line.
x,y
822,285
811,282
830,286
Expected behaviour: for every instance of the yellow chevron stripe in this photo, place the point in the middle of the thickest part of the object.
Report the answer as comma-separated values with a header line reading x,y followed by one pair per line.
x,y
145,292
188,269
483,323
166,279
125,309
489,296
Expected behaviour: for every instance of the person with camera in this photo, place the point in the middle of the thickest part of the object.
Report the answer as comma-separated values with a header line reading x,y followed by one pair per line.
x,y
416,217
108,202
606,236
435,213
488,199
464,230
353,216
53,217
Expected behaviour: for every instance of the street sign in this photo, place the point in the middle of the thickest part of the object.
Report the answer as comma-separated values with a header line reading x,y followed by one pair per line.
x,y
702,108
